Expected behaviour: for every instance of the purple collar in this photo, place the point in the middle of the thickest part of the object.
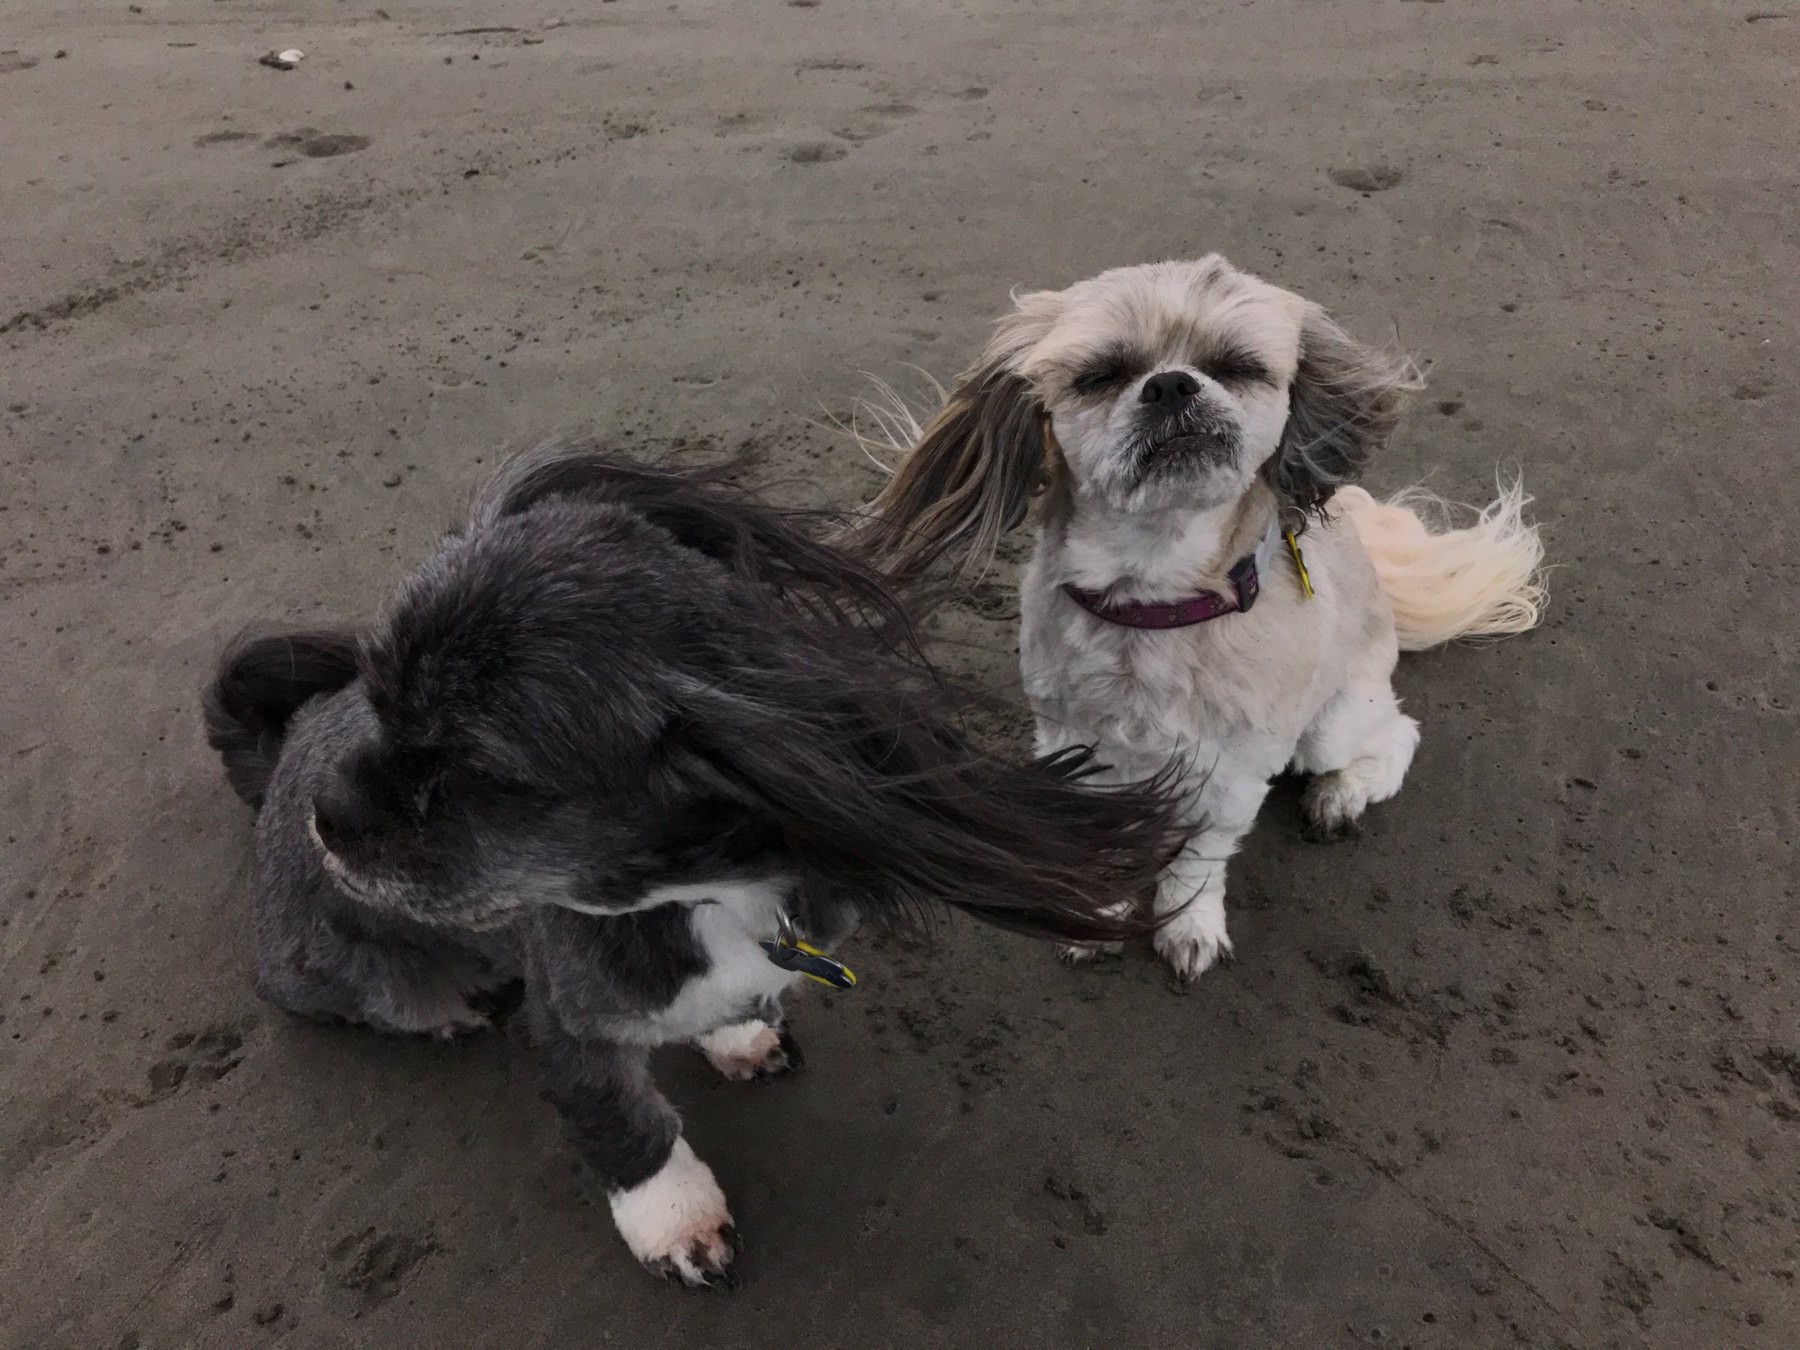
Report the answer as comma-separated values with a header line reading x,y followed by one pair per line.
x,y
1184,613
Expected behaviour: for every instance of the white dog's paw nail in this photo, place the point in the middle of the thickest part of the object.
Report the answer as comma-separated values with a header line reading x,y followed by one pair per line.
x,y
1087,953
1318,832
678,1225
1191,948
751,1051
1332,809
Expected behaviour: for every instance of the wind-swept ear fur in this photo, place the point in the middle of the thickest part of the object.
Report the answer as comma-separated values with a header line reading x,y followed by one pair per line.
x,y
1345,402
969,476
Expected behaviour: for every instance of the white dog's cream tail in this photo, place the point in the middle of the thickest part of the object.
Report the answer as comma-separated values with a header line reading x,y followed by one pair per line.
x,y
1484,579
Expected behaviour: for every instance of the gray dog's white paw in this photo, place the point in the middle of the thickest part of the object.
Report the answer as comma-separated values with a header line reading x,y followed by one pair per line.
x,y
678,1225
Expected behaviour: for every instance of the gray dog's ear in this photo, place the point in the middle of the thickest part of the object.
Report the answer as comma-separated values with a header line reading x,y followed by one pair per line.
x,y
1344,404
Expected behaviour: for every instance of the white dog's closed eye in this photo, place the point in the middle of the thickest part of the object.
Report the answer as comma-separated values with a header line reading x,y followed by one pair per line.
x,y
1188,416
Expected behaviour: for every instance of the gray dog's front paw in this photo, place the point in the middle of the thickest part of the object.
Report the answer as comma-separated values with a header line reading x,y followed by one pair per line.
x,y
751,1051
678,1225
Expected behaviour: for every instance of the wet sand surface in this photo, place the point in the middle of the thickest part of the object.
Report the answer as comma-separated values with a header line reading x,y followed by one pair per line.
x,y
1519,1066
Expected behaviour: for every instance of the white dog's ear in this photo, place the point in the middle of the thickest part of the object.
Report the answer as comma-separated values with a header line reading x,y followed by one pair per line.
x,y
1344,404
971,476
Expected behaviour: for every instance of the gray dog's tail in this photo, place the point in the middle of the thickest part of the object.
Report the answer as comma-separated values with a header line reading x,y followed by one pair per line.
x,y
261,683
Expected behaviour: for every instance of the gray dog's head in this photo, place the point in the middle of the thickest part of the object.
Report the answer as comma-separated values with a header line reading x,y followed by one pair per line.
x,y
513,689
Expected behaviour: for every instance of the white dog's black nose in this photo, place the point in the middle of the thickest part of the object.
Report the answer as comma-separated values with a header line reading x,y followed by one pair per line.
x,y
1170,389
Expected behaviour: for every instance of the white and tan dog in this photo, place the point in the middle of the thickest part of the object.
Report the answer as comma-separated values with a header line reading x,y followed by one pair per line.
x,y
1206,584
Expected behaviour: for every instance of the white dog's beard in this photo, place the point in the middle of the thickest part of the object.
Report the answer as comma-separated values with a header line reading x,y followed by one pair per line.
x,y
1201,432
1189,457
1185,479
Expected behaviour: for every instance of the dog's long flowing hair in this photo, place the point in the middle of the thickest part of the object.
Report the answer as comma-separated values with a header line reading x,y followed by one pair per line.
x,y
803,703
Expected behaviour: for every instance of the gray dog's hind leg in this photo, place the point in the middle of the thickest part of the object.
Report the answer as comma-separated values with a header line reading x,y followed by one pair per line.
x,y
322,954
667,1206
388,982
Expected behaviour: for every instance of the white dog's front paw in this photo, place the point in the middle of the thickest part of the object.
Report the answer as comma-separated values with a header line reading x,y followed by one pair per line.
x,y
1194,940
1333,804
677,1223
1082,954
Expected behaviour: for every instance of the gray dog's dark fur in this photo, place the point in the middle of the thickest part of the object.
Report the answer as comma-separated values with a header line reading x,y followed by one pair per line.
x,y
617,685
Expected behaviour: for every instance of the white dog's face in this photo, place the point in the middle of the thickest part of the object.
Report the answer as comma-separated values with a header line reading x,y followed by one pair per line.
x,y
1166,385
1171,385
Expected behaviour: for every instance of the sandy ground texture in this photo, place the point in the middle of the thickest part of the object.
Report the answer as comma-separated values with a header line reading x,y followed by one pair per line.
x,y
1521,1066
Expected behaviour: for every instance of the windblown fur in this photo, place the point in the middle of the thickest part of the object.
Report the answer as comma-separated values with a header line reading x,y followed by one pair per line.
x,y
608,737
1444,583
1174,420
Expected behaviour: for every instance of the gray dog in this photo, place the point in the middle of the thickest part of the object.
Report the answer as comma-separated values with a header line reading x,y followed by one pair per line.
x,y
649,744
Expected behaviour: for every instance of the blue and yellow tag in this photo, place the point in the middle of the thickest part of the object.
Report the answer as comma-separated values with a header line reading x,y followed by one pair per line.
x,y
803,958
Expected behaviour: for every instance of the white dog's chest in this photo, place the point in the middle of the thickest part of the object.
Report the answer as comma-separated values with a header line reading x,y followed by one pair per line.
x,y
1147,692
1137,705
1142,698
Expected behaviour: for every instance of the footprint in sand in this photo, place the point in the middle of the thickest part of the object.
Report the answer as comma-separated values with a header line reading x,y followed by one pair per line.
x,y
376,1264
814,152
199,1057
316,144
1372,178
